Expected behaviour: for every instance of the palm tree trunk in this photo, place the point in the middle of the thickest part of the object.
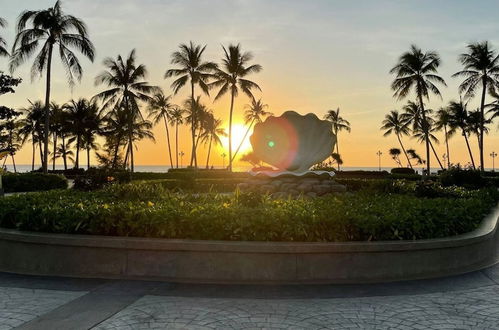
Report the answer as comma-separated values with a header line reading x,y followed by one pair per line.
x,y
130,131
40,147
47,112
13,162
244,138
447,146
230,128
436,156
403,149
424,125
176,143
64,154
77,160
55,147
88,157
337,147
482,107
193,128
209,151
115,154
168,139
33,154
469,149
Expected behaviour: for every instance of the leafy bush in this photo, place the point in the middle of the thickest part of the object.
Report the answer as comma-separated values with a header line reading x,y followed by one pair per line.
x,y
184,174
152,211
95,178
362,174
402,170
24,182
463,177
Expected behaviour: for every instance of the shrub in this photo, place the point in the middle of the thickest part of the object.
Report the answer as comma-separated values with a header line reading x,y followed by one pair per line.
x,y
402,170
151,211
457,176
95,178
362,174
25,182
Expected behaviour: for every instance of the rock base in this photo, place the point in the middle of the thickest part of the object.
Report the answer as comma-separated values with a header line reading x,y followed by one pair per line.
x,y
284,187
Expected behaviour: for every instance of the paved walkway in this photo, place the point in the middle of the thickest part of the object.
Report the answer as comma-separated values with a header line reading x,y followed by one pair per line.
x,y
469,301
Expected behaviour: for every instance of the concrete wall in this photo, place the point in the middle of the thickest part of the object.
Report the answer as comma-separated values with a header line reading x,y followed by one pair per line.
x,y
247,262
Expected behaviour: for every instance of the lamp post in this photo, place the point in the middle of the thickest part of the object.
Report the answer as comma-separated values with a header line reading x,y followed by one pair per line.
x,y
181,154
223,159
493,154
379,153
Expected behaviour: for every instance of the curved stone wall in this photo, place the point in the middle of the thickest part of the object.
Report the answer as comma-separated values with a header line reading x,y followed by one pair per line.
x,y
247,262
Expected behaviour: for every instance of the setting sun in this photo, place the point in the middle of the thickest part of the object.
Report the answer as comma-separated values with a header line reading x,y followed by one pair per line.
x,y
238,132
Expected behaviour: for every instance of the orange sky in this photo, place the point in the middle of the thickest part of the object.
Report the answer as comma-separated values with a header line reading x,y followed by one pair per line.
x,y
316,56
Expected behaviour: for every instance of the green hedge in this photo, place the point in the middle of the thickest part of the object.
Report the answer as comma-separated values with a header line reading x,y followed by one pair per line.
x,y
185,174
24,182
151,211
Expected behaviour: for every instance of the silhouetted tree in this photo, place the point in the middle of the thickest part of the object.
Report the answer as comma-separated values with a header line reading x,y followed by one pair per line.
x,y
192,68
417,71
230,78
52,27
480,68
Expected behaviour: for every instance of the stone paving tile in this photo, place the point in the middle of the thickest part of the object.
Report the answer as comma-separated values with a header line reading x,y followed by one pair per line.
x,y
19,305
465,309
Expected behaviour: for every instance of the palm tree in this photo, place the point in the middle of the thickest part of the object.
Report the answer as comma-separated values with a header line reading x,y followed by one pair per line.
x,y
412,114
417,70
193,69
339,124
115,132
231,78
3,44
52,27
459,120
64,150
77,112
126,86
212,133
56,126
481,68
92,128
475,124
33,127
177,118
160,108
253,114
443,122
394,123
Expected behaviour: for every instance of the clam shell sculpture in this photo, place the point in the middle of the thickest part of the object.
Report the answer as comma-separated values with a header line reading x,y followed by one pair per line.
x,y
293,142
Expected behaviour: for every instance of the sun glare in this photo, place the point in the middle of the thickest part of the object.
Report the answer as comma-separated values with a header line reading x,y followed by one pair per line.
x,y
238,132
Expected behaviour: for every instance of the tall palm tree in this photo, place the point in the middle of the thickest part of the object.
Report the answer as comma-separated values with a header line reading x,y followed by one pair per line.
x,y
231,78
442,122
417,71
77,111
177,118
339,124
64,151
53,28
3,44
475,124
420,135
459,120
126,86
160,109
481,68
212,133
192,68
394,123
115,132
254,113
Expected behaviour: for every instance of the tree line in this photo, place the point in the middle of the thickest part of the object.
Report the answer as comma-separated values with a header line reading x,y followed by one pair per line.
x,y
115,113
417,71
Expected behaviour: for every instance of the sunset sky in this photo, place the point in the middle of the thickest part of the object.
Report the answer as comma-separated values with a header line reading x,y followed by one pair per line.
x,y
316,55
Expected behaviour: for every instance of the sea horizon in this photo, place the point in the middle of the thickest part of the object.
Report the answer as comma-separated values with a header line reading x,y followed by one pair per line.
x,y
22,168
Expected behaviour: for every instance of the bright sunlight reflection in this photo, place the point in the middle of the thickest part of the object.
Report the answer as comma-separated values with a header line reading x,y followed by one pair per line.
x,y
238,131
